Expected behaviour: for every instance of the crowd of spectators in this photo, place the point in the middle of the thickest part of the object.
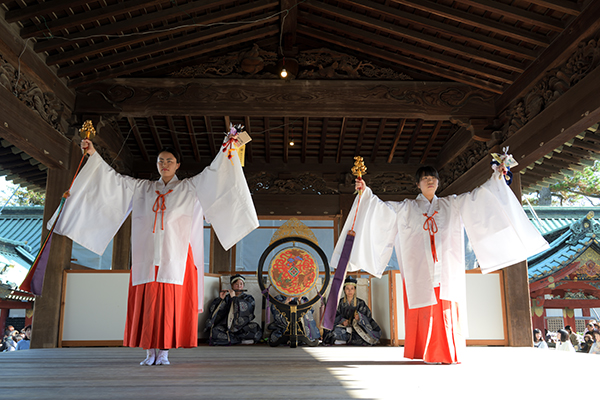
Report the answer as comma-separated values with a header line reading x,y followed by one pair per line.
x,y
14,340
568,340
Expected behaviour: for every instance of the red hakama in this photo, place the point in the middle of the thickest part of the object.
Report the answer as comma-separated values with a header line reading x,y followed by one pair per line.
x,y
164,315
433,333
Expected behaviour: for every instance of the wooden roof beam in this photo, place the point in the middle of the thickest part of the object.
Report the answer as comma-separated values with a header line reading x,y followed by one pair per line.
x,y
165,30
585,25
286,139
267,136
431,140
178,55
564,6
129,24
323,143
476,21
53,27
248,128
399,131
413,140
342,136
519,14
425,39
192,136
304,140
455,32
174,137
155,135
157,48
561,121
380,130
289,23
402,60
138,138
361,135
44,8
210,137
415,51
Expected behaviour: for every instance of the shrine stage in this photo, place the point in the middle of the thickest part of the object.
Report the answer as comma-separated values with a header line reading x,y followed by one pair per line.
x,y
262,372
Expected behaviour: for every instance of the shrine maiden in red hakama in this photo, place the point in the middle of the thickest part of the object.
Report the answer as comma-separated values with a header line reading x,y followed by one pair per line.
x,y
166,287
429,242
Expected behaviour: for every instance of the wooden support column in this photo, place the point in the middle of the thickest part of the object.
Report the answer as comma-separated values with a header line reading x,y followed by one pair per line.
x,y
220,259
46,317
121,257
516,293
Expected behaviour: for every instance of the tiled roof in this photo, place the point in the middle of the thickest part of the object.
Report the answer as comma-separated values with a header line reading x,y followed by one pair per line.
x,y
23,225
569,241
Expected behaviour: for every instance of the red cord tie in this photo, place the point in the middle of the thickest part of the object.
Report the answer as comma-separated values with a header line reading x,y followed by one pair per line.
x,y
431,226
159,206
229,147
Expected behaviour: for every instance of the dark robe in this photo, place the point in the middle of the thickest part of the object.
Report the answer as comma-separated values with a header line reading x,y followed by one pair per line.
x,y
307,323
230,321
364,332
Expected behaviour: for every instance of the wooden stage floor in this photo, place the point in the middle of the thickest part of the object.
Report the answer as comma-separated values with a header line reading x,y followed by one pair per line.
x,y
262,372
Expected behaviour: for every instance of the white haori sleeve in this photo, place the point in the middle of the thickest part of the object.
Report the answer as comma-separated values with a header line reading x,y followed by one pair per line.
x,y
226,199
100,201
375,229
498,228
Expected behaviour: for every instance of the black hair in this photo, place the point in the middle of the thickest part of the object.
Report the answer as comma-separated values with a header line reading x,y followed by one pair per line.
x,y
426,171
172,151
536,330
564,336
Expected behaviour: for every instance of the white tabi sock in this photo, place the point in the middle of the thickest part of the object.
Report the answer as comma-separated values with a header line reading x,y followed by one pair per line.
x,y
150,357
162,357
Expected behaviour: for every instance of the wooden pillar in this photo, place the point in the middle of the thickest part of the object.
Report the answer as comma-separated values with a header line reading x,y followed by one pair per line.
x,y
569,318
3,316
516,293
220,259
46,317
121,257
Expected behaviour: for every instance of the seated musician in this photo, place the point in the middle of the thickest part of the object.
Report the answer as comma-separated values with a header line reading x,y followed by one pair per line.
x,y
353,322
231,316
279,324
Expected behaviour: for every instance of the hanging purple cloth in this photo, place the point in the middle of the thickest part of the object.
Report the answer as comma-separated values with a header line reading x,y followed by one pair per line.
x,y
338,279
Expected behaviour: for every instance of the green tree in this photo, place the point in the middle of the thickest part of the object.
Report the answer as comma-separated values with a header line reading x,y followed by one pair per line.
x,y
22,196
580,189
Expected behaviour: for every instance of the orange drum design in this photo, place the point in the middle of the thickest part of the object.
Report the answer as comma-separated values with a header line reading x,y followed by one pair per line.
x,y
293,272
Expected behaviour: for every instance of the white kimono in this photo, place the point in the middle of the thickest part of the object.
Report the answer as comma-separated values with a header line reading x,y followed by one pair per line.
x,y
498,229
101,199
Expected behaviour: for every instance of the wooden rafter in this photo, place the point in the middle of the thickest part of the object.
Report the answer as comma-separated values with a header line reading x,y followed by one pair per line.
x,y
361,135
210,137
50,28
44,8
138,138
424,39
154,131
380,130
173,132
157,48
130,24
455,32
249,145
413,140
172,28
561,49
399,131
402,60
323,142
342,137
518,14
286,139
192,136
267,136
431,140
404,47
477,21
564,6
179,55
304,140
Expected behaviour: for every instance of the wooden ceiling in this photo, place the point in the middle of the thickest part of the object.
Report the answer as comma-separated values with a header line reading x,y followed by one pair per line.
x,y
491,51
